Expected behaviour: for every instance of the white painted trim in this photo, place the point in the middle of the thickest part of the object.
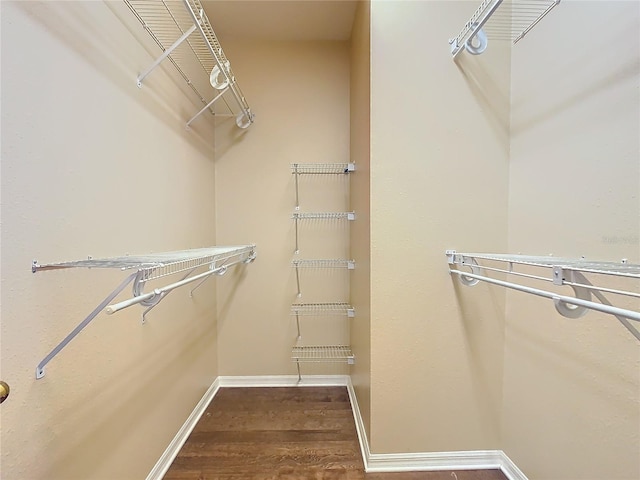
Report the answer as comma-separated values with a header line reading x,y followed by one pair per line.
x,y
373,462
510,470
285,381
360,428
169,455
430,461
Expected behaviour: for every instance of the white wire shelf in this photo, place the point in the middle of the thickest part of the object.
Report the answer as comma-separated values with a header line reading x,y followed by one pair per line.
x,y
320,309
324,263
319,216
149,267
323,354
198,57
558,271
324,216
322,168
502,20
157,265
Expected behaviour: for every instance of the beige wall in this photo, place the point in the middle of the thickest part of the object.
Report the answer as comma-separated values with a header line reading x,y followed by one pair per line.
x,y
360,202
571,403
300,93
439,174
92,165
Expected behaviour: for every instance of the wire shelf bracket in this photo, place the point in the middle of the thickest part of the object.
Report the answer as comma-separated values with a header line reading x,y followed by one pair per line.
x,y
507,20
202,63
217,260
296,216
298,169
324,263
561,271
322,354
321,309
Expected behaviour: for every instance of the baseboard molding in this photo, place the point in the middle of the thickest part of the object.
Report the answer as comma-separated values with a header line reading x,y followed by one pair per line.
x,y
373,462
285,381
166,459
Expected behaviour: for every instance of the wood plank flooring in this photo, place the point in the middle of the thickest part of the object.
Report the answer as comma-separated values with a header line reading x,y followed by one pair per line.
x,y
289,433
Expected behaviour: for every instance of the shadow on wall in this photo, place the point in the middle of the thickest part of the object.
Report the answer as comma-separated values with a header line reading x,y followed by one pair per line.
x,y
119,412
476,327
96,32
494,98
228,135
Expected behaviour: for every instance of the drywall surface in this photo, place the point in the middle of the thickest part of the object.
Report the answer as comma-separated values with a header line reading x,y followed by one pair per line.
x,y
360,202
92,165
300,94
571,386
439,176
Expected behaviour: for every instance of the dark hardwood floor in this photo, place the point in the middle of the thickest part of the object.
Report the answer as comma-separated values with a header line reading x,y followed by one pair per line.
x,y
291,433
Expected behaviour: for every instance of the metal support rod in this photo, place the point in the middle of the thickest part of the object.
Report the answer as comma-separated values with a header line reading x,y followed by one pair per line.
x,y
158,291
297,250
214,54
634,331
165,54
630,314
161,297
296,176
207,106
298,280
84,323
298,324
299,374
478,26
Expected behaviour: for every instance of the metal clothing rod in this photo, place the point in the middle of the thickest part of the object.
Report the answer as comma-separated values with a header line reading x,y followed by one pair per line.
x,y
159,291
630,314
207,106
165,54
84,323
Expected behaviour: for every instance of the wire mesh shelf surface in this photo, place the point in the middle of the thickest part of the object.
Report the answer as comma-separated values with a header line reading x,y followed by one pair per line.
x,y
194,58
319,309
322,168
581,265
323,354
324,263
508,20
324,216
156,265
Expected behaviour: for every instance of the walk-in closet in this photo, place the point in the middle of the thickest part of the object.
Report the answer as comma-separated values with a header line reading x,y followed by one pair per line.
x,y
386,239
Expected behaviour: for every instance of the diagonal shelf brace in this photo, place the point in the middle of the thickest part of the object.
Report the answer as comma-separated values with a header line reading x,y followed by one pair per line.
x,y
81,325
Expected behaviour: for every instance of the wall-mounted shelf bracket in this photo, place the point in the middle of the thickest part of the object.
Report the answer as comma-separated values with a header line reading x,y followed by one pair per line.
x,y
324,263
559,272
508,20
217,260
199,59
298,169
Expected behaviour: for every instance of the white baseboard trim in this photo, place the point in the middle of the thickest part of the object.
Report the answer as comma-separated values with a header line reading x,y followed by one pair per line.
x,y
285,381
510,470
169,455
373,462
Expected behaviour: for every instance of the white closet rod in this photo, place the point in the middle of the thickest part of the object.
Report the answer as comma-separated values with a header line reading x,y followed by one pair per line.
x,y
630,314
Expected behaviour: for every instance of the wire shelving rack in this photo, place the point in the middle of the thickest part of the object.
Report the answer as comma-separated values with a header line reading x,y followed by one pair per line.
x,y
147,267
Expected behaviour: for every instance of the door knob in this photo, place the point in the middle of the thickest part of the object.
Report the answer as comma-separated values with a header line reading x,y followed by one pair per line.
x,y
4,391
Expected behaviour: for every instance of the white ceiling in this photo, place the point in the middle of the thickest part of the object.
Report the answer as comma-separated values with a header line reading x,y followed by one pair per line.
x,y
283,20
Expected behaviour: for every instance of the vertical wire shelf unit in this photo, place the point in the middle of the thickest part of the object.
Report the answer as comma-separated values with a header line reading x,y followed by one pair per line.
x,y
319,264
298,169
297,216
319,353
197,56
146,268
319,310
472,268
500,20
